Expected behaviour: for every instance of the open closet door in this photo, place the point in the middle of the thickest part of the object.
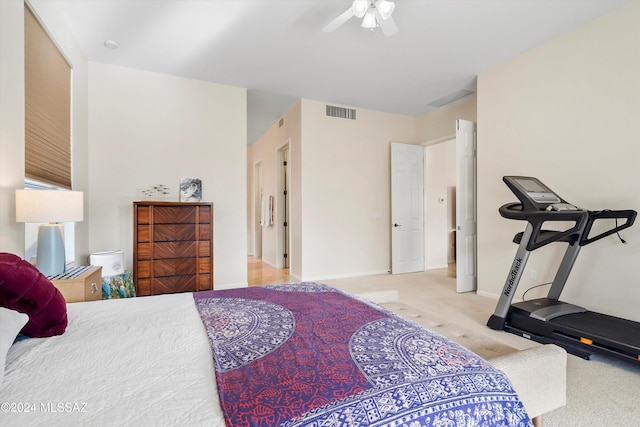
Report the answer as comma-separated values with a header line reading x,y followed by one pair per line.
x,y
466,206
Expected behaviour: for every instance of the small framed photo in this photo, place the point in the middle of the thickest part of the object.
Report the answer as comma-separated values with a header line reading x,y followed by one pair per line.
x,y
190,190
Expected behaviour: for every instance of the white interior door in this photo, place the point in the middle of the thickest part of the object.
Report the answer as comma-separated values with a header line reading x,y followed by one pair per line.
x,y
466,206
407,208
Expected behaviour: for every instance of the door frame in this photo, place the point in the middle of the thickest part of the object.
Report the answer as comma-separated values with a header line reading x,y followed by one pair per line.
x,y
283,204
462,257
257,208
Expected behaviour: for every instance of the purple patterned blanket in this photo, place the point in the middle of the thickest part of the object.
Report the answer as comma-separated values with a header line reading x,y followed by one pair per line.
x,y
309,355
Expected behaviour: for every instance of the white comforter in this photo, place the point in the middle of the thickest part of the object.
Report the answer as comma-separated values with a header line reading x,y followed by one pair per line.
x,y
140,361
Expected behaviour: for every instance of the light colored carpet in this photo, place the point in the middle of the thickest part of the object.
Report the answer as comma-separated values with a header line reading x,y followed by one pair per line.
x,y
600,392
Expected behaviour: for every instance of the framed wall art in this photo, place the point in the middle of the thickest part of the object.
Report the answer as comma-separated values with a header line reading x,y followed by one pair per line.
x,y
190,190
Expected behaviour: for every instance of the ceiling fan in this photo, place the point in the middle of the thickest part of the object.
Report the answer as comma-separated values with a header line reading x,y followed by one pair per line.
x,y
374,14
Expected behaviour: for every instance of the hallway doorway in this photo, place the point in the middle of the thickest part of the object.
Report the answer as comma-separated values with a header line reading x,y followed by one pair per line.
x,y
260,273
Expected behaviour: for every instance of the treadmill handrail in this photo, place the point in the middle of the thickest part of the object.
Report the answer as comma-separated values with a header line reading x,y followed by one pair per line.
x,y
628,214
538,218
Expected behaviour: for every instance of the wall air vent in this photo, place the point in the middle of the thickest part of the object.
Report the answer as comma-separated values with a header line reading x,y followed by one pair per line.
x,y
281,122
459,94
341,112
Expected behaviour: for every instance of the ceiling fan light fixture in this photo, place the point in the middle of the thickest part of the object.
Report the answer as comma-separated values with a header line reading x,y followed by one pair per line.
x,y
360,7
369,20
385,8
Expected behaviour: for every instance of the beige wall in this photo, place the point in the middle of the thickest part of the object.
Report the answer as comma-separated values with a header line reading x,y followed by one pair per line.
x,y
148,128
12,117
439,200
439,125
346,190
566,112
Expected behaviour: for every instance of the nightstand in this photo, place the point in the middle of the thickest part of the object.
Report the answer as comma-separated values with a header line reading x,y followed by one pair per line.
x,y
79,284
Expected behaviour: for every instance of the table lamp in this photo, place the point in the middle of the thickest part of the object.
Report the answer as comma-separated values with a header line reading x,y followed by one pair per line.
x,y
52,207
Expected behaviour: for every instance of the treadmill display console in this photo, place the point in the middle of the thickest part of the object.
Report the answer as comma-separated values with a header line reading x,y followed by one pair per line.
x,y
531,191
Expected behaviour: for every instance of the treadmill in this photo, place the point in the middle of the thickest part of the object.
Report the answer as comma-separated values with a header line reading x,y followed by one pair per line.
x,y
548,320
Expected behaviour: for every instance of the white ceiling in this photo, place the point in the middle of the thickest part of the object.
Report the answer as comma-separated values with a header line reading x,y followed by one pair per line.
x,y
278,51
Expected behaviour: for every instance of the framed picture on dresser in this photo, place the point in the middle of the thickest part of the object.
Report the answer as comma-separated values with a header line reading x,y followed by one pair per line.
x,y
190,190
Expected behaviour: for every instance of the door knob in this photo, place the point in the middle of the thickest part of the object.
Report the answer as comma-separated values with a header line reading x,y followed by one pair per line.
x,y
397,225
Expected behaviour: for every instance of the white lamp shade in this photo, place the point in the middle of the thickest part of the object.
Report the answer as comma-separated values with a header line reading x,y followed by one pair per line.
x,y
385,8
49,206
359,7
369,20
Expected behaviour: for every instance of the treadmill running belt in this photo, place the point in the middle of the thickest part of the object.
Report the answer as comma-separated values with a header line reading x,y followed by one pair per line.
x,y
602,328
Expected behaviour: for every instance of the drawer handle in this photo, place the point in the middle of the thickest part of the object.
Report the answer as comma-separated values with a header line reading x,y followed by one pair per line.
x,y
94,288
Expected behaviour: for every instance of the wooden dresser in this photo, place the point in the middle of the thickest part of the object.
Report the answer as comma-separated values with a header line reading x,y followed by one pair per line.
x,y
172,247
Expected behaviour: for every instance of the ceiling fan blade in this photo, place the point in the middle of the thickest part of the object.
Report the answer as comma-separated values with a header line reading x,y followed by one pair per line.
x,y
388,26
336,23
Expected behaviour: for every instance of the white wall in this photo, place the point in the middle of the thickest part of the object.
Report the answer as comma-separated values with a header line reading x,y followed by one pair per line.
x,y
566,112
147,128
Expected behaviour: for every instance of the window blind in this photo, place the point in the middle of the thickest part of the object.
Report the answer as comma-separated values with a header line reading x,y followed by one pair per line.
x,y
47,107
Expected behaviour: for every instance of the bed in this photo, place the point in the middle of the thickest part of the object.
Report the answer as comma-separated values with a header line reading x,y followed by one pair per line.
x,y
291,355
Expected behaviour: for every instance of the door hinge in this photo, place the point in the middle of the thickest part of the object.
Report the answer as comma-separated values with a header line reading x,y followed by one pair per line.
x,y
284,163
285,192
286,256
285,224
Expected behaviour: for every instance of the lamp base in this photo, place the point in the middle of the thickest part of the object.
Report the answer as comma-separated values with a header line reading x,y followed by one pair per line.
x,y
50,254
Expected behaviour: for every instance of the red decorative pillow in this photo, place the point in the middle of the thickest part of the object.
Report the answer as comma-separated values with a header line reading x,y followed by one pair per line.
x,y
23,288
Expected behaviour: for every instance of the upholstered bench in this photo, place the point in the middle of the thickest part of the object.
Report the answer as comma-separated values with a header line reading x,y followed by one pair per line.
x,y
538,372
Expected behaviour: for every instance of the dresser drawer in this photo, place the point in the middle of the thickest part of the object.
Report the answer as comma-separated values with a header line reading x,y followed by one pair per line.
x,y
173,232
171,284
180,249
174,214
174,267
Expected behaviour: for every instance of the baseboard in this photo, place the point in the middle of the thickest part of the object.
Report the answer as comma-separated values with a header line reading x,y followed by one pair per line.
x,y
294,277
269,263
230,286
487,295
344,276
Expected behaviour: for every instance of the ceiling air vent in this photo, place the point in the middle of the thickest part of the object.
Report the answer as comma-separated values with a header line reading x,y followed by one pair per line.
x,y
459,94
341,112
